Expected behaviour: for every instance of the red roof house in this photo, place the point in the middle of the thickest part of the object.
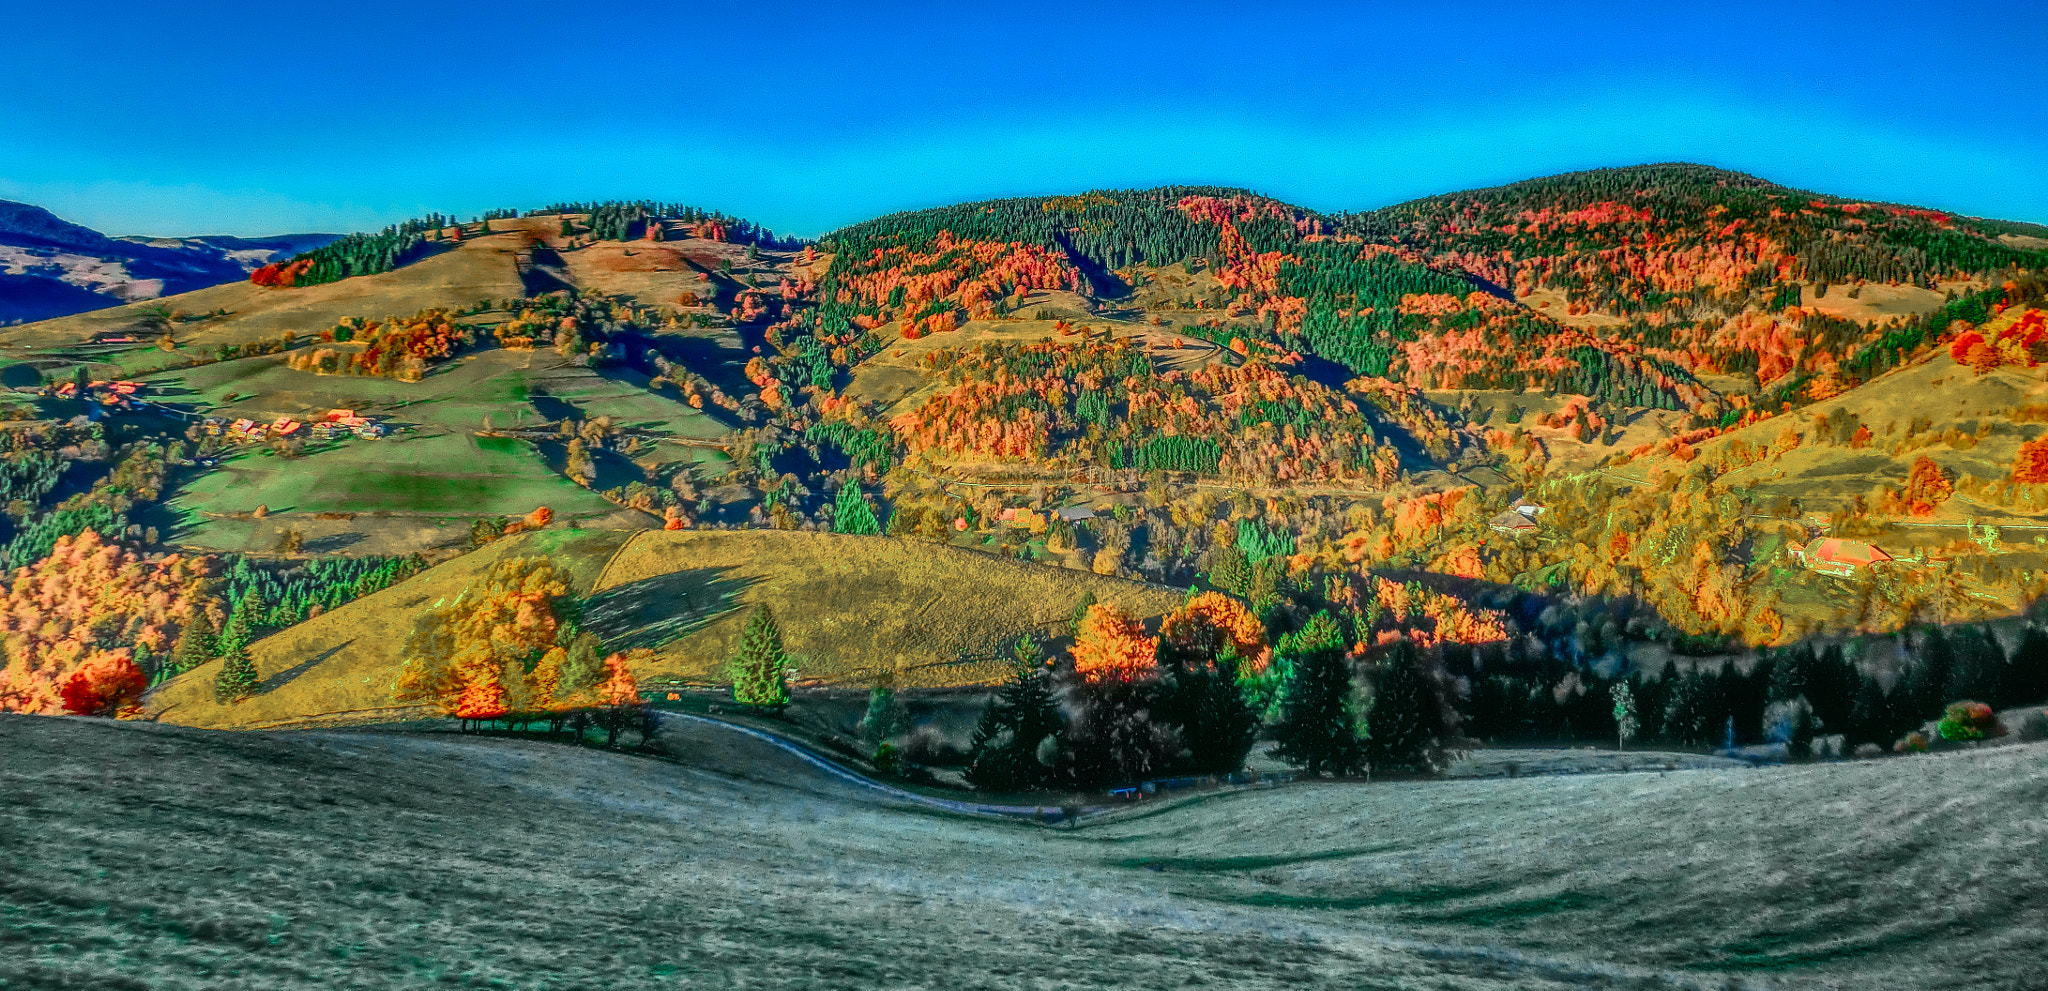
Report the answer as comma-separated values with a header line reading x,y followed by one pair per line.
x,y
1835,556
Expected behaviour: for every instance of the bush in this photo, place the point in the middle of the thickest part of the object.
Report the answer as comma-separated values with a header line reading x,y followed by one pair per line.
x,y
886,760
1911,743
1969,721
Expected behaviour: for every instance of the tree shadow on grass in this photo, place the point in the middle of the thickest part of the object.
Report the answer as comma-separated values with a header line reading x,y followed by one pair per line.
x,y
656,611
286,676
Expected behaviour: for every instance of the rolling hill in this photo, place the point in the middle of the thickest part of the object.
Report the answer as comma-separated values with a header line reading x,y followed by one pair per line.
x,y
851,610
52,268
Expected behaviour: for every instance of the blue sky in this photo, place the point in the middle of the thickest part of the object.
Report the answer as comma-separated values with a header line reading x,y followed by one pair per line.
x,y
246,118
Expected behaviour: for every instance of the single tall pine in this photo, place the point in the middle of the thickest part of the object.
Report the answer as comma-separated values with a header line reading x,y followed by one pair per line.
x,y
1404,725
237,678
1014,727
758,670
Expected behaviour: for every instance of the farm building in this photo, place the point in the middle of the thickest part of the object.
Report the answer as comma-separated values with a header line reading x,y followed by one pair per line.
x,y
1075,514
1838,557
1512,521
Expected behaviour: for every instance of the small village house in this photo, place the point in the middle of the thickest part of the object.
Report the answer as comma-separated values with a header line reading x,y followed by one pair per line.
x,y
1837,557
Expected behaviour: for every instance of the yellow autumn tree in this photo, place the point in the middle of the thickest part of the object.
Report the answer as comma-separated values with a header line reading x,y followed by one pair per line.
x,y
1210,621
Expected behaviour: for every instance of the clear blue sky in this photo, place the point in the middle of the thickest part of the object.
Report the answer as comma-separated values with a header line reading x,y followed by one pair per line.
x,y
255,118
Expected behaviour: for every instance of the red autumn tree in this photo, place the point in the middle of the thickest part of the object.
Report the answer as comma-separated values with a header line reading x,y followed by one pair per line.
x,y
619,687
105,685
481,700
1112,646
539,517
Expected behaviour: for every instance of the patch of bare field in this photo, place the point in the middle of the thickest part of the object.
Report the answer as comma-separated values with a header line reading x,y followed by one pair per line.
x,y
167,857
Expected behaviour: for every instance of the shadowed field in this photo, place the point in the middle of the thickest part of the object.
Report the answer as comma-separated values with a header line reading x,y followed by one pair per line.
x,y
362,859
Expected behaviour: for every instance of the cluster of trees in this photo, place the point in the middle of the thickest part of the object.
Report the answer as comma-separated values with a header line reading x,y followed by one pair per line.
x,y
1872,692
1099,403
512,648
623,220
403,348
1124,706
276,594
86,625
1684,240
354,254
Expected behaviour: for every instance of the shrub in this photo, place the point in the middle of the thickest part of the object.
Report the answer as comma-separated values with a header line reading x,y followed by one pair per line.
x,y
1966,721
1911,743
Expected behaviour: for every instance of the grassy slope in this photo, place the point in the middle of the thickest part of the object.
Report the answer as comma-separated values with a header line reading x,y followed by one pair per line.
x,y
316,860
345,663
480,268
847,605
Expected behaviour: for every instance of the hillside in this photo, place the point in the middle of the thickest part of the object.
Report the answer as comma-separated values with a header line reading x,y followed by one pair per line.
x,y
1717,271
51,268
851,608
304,860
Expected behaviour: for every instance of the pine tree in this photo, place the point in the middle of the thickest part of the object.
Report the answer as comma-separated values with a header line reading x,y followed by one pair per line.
x,y
885,717
1318,729
851,513
195,644
1404,727
236,636
1014,727
2029,682
237,678
760,668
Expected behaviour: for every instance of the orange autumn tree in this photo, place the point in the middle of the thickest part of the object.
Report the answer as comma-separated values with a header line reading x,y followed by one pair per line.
x,y
495,649
1113,647
2030,465
73,625
1927,486
1211,621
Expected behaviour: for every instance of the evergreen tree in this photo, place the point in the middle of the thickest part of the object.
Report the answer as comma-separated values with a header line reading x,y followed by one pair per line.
x,y
1203,699
1318,728
851,513
237,678
1979,674
1404,727
1014,727
2029,682
885,717
1870,719
237,635
759,669
195,644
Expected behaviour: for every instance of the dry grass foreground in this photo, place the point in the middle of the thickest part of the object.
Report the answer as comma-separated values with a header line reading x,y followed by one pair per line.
x,y
148,856
849,607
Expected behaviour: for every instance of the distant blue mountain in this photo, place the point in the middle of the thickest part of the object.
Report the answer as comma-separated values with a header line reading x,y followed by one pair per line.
x,y
50,267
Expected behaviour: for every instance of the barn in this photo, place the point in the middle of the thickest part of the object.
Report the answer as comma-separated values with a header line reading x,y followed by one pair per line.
x,y
1838,557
